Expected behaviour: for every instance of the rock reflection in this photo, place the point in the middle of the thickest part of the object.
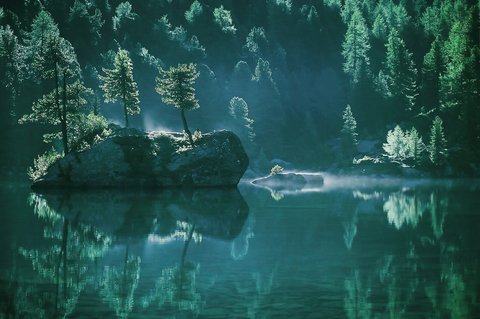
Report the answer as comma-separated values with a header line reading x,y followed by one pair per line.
x,y
81,228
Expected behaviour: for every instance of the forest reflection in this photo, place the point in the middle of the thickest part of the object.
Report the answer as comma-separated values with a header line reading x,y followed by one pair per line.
x,y
80,228
370,252
427,271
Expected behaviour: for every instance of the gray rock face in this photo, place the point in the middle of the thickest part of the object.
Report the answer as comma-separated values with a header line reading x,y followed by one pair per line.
x,y
130,158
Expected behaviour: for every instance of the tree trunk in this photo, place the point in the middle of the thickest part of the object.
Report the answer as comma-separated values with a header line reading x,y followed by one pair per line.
x,y
64,113
124,98
185,126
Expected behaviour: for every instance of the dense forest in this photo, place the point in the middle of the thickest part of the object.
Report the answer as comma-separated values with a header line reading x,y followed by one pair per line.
x,y
312,82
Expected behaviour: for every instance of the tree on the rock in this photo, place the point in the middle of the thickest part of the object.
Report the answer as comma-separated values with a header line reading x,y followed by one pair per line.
x,y
349,130
176,85
438,143
55,60
118,83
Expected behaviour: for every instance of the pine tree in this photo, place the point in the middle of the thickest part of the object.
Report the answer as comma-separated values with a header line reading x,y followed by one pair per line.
x,y
433,67
118,83
356,46
55,59
396,146
176,86
12,66
349,130
438,143
415,146
401,72
239,111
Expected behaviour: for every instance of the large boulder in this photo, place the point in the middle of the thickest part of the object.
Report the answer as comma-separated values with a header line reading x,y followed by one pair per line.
x,y
130,158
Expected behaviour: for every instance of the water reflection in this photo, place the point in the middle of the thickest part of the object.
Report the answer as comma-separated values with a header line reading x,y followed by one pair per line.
x,y
398,251
79,228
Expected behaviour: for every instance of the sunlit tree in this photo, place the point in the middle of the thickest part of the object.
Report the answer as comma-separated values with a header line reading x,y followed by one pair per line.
x,y
177,87
56,60
223,19
118,84
239,111
356,47
195,10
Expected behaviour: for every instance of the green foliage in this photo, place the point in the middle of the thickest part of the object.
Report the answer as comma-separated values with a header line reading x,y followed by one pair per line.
x,y
118,83
239,111
42,163
263,73
406,145
277,169
349,129
87,130
223,19
388,17
356,46
196,9
437,148
42,27
415,146
459,81
401,72
123,13
396,146
177,87
256,42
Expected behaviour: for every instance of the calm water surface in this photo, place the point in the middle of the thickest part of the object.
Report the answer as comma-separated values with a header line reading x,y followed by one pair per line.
x,y
352,248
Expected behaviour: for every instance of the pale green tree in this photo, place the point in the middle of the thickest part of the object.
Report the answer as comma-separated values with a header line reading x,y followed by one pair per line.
x,y
223,19
177,87
118,83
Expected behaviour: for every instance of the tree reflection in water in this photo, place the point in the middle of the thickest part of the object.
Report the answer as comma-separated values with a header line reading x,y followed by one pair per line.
x,y
65,262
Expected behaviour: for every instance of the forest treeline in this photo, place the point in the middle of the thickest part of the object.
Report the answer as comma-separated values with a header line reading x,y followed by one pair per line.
x,y
278,72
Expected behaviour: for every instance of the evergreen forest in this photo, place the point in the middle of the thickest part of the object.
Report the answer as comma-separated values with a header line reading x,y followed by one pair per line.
x,y
318,83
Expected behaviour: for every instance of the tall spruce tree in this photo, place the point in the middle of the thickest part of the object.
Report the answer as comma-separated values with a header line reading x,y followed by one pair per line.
x,y
349,131
356,46
177,87
118,83
437,148
11,66
401,73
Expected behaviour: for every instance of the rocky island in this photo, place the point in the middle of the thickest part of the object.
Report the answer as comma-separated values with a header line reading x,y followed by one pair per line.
x,y
130,158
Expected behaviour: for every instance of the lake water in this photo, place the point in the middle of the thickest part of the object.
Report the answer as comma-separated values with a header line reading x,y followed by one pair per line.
x,y
352,248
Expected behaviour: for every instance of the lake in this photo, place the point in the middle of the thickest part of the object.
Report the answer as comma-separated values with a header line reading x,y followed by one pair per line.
x,y
351,248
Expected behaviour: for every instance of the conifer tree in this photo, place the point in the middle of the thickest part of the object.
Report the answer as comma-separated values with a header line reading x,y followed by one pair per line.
x,y
11,65
349,130
239,111
356,46
118,83
401,72
415,146
176,86
433,67
396,146
55,59
438,143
